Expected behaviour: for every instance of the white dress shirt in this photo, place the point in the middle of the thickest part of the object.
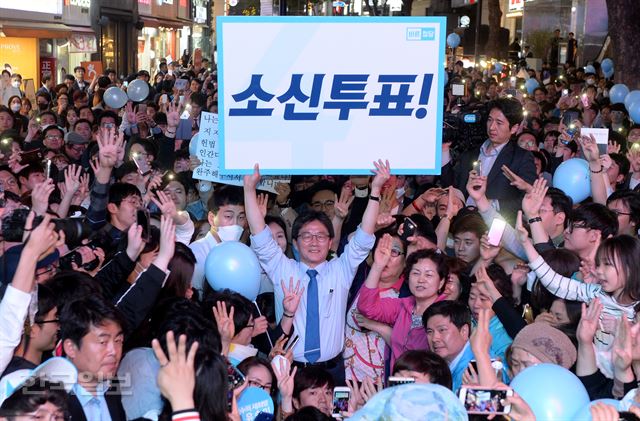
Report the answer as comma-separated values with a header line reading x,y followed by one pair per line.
x,y
334,280
13,310
201,249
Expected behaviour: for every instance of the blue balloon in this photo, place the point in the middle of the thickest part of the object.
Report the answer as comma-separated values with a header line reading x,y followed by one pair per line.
x,y
574,179
608,73
453,40
618,93
607,64
585,413
531,85
193,145
551,391
590,69
497,68
232,265
254,401
634,112
633,96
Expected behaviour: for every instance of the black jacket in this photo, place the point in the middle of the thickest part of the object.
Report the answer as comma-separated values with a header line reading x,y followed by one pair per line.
x,y
112,396
519,160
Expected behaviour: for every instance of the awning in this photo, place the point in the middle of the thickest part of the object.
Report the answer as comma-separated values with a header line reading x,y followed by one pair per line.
x,y
157,23
35,29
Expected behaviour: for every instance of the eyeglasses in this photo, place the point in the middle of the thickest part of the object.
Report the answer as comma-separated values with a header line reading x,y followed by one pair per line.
x,y
136,203
396,253
265,387
327,204
54,136
618,213
42,322
306,237
576,225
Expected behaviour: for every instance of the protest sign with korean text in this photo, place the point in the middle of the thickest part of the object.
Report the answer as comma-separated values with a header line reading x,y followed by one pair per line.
x,y
328,95
205,146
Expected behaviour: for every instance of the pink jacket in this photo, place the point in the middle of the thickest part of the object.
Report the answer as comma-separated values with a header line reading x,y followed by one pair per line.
x,y
395,312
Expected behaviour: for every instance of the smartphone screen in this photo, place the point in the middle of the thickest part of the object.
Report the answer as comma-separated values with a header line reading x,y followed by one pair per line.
x,y
396,381
408,229
142,108
485,401
141,163
31,157
568,117
340,400
457,89
496,231
142,219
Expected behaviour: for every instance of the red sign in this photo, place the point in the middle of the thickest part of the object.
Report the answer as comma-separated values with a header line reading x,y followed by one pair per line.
x,y
48,68
92,68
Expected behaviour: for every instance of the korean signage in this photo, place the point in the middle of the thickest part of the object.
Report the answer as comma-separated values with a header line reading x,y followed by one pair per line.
x,y
516,5
48,67
78,3
91,68
298,104
22,54
53,7
205,146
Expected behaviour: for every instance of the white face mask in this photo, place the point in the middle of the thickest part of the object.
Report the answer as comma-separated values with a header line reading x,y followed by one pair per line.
x,y
591,81
230,232
15,107
15,83
400,192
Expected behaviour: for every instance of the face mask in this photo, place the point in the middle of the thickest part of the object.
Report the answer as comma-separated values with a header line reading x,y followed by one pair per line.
x,y
400,192
43,107
15,84
15,107
591,81
230,232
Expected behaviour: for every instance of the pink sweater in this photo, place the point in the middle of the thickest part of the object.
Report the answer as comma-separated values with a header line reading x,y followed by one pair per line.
x,y
395,312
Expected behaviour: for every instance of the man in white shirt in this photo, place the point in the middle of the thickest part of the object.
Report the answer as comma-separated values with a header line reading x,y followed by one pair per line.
x,y
227,219
320,317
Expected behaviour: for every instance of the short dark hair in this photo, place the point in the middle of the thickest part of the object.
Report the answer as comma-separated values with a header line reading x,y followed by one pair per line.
x,y
309,377
597,217
225,195
435,256
80,120
108,114
471,222
623,163
510,107
311,216
120,191
77,317
631,199
458,313
51,113
75,69
31,395
426,362
242,307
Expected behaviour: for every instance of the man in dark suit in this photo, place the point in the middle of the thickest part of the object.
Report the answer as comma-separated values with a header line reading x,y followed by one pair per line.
x,y
91,330
505,117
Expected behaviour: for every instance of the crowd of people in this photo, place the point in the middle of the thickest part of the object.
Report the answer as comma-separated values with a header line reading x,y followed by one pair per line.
x,y
107,312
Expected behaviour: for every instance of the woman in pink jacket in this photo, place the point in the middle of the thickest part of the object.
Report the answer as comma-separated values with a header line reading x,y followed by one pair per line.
x,y
426,273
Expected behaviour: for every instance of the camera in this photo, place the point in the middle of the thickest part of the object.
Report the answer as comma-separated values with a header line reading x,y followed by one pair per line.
x,y
75,229
466,129
98,240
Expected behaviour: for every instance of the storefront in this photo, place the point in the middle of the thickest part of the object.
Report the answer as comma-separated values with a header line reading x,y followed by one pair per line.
x,y
116,41
166,32
201,33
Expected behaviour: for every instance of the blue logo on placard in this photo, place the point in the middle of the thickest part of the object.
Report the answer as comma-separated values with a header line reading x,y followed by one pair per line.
x,y
470,118
421,34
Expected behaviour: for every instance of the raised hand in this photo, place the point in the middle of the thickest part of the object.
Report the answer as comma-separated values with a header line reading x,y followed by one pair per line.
x,y
476,185
590,148
343,203
40,196
481,338
485,284
488,252
129,113
589,322
72,178
167,243
283,190
623,346
177,377
42,239
263,200
521,232
613,147
291,296
384,220
382,254
453,205
382,173
165,204
109,143
516,180
260,326
173,115
532,201
278,349
224,322
285,376
135,243
251,181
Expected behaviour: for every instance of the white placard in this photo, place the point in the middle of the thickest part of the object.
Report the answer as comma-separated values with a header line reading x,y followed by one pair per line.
x,y
601,135
206,149
329,95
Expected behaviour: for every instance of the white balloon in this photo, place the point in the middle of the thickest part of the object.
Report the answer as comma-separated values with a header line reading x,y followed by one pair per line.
x,y
138,90
115,97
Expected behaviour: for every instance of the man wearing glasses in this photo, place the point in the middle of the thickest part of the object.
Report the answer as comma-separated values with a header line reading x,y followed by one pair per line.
x,y
320,318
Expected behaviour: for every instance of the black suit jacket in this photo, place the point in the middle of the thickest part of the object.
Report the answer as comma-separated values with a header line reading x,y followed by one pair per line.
x,y
499,187
112,396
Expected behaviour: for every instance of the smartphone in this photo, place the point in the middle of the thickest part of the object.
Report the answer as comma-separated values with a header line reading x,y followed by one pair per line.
x,y
142,108
235,379
495,232
31,157
565,92
125,84
141,163
341,397
397,381
47,169
458,89
180,84
291,343
569,117
485,401
585,101
513,81
408,229
143,219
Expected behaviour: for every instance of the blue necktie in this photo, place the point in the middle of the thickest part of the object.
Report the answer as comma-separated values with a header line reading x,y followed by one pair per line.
x,y
312,331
